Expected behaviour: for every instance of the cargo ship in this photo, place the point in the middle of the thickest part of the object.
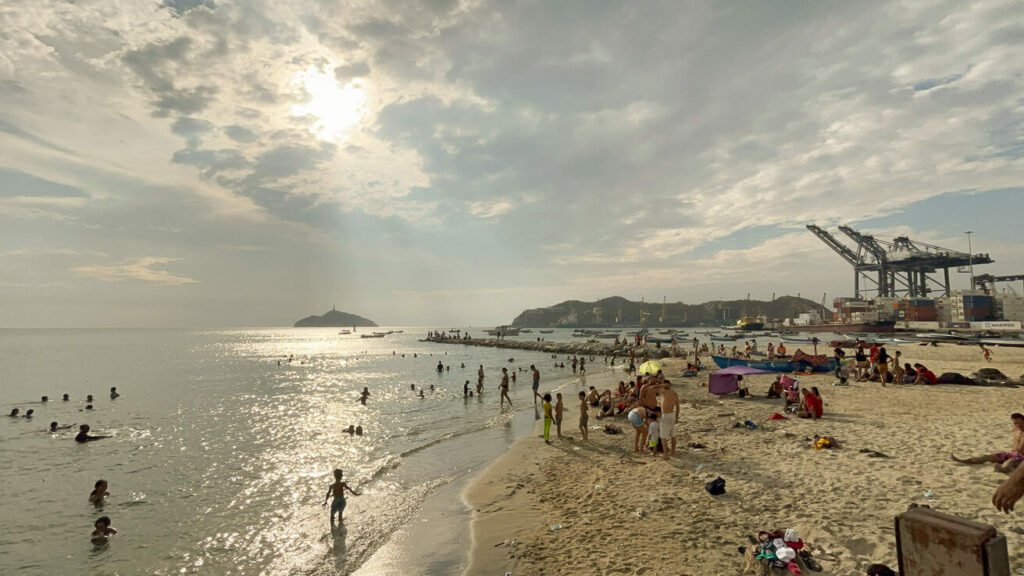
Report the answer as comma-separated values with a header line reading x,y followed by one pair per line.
x,y
866,327
748,324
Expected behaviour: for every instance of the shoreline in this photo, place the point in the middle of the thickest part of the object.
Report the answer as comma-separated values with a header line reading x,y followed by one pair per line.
x,y
842,501
496,508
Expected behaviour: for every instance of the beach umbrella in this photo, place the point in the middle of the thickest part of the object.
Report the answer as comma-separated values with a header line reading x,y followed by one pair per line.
x,y
649,367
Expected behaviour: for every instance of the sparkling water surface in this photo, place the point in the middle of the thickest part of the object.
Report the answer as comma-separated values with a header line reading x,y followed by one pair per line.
x,y
220,458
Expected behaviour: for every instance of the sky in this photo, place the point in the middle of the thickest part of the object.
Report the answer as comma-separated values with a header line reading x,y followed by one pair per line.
x,y
209,163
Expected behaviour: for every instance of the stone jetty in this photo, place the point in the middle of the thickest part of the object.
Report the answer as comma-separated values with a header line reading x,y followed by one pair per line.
x,y
579,348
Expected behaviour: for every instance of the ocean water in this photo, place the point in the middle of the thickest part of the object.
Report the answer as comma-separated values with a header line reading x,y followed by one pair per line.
x,y
220,459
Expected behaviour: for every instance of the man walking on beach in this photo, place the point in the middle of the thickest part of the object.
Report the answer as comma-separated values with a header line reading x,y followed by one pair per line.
x,y
669,419
536,383
504,387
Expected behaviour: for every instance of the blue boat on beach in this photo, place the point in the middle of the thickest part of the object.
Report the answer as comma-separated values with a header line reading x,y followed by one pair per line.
x,y
776,365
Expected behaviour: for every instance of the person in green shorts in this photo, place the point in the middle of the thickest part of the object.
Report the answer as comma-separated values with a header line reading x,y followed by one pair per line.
x,y
547,419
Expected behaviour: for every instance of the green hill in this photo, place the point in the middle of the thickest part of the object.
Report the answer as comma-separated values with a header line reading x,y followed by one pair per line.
x,y
575,313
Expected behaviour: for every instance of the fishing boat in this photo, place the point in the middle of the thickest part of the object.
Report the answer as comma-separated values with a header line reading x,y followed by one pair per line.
x,y
374,335
546,331
748,324
526,330
344,333
775,365
657,340
800,340
608,335
724,338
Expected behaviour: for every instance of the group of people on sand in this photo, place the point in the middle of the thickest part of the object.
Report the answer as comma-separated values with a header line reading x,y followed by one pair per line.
x,y
874,364
648,403
804,402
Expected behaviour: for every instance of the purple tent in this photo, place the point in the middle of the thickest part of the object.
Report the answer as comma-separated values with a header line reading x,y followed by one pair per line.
x,y
724,381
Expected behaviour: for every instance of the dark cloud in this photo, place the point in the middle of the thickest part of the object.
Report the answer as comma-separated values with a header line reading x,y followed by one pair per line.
x,y
240,133
347,72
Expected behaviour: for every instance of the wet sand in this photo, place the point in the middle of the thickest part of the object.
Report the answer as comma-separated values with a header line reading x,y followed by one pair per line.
x,y
841,501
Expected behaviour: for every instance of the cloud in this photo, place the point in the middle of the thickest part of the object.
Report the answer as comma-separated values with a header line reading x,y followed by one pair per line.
x,y
141,269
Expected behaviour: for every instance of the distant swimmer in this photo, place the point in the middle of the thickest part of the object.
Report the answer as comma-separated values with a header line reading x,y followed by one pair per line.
x,y
364,395
359,430
465,389
412,387
431,387
338,491
29,413
44,399
440,367
351,430
463,365
88,398
14,413
421,393
66,397
88,406
83,434
103,530
54,427
504,387
113,393
99,492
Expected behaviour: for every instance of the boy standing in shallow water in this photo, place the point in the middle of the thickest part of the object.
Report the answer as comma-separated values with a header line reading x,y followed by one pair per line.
x,y
338,490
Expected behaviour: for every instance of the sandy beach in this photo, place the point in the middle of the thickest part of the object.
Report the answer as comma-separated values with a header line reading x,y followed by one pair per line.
x,y
842,501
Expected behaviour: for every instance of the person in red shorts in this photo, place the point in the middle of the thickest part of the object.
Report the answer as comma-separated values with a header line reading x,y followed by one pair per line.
x,y
1004,461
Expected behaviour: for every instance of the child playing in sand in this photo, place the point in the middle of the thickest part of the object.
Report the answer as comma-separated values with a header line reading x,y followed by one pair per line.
x,y
653,439
103,530
1004,461
584,417
559,407
338,490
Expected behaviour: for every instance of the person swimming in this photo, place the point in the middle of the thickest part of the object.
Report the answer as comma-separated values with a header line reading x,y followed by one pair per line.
x,y
88,398
14,413
29,413
54,427
103,530
364,395
99,492
66,398
44,399
351,430
359,430
113,393
83,435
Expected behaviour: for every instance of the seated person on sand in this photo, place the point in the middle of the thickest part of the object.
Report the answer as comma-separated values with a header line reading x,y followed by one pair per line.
x,y
810,406
776,390
924,375
1004,461
792,394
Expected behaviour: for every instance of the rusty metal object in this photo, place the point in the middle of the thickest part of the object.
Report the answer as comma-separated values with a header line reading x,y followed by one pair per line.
x,y
931,543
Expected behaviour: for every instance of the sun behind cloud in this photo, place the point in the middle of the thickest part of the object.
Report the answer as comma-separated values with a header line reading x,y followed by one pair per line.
x,y
336,108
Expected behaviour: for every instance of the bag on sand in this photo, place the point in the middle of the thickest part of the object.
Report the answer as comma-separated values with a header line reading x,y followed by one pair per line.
x,y
716,487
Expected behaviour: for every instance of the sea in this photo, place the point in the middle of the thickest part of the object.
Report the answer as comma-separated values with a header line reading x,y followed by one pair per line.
x,y
221,449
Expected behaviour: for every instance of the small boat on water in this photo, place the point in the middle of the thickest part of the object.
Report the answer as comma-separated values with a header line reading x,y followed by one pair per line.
x,y
374,335
344,333
801,340
525,330
656,340
724,338
546,331
776,365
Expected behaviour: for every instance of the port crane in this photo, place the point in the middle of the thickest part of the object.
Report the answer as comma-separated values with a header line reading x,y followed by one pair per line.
x,y
897,267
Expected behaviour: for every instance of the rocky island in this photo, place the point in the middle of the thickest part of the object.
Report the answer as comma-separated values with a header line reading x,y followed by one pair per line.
x,y
335,319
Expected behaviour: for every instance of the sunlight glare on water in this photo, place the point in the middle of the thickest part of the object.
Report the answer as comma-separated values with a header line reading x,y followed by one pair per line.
x,y
220,458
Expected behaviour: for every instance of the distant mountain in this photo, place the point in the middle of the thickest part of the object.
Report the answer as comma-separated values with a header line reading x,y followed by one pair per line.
x,y
575,313
335,319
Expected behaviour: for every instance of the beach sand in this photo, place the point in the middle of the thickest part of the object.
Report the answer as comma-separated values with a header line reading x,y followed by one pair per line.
x,y
842,502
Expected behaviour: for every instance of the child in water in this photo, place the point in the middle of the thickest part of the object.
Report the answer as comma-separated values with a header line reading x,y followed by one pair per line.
x,y
99,492
103,530
338,490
